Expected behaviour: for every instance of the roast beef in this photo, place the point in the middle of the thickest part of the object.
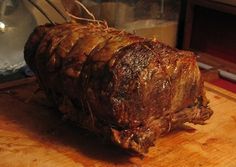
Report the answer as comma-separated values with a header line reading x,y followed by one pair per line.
x,y
129,89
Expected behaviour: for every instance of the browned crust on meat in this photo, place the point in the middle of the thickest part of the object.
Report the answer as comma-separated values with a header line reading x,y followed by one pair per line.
x,y
127,88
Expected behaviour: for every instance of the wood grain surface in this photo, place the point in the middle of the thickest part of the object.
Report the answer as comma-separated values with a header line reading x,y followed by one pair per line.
x,y
32,134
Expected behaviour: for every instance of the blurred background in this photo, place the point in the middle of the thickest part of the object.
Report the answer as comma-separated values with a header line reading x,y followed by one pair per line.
x,y
207,27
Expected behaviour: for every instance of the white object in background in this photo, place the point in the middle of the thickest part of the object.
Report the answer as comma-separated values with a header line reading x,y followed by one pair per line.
x,y
162,30
2,27
16,23
124,14
108,12
116,13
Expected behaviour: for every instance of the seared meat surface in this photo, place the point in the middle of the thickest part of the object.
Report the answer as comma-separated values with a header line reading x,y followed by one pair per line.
x,y
126,88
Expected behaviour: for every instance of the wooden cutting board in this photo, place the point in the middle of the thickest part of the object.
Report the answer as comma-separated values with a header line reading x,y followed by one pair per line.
x,y
33,135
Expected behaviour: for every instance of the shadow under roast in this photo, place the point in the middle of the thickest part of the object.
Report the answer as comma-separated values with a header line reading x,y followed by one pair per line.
x,y
46,125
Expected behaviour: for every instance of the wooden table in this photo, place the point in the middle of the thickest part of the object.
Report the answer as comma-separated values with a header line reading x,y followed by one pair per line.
x,y
33,135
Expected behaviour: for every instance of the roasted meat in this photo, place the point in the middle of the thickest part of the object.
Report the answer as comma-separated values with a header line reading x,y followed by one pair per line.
x,y
129,89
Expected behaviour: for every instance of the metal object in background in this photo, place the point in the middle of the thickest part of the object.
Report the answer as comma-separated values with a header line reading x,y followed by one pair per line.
x,y
224,74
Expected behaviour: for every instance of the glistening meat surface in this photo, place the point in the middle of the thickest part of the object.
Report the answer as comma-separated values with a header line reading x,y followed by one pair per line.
x,y
129,89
